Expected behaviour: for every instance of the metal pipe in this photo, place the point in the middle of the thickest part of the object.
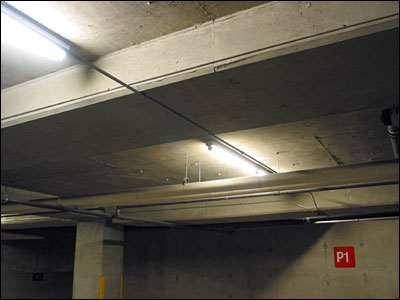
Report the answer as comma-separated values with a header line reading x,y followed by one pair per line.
x,y
87,213
394,139
390,118
333,221
186,179
340,177
57,207
190,207
219,205
153,222
199,170
115,218
44,31
176,113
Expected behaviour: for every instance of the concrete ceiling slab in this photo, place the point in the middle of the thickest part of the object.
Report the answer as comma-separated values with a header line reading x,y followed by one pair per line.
x,y
311,109
341,77
96,28
307,144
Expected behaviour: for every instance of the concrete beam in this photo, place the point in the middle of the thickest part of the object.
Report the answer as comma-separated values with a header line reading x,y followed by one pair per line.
x,y
20,194
270,30
357,175
354,189
348,202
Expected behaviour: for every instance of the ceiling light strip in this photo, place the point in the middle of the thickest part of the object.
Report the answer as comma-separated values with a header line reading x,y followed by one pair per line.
x,y
152,99
33,25
360,219
144,95
227,155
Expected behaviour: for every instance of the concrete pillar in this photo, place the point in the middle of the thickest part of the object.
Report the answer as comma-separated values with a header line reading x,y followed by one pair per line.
x,y
98,262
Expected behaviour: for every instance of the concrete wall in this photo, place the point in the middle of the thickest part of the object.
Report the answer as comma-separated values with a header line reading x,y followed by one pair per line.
x,y
53,256
290,261
286,261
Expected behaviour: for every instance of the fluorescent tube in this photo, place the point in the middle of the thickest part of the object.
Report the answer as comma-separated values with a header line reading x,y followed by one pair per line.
x,y
25,38
228,157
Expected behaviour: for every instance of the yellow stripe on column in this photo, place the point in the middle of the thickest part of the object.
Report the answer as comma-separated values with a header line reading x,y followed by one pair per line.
x,y
102,282
120,290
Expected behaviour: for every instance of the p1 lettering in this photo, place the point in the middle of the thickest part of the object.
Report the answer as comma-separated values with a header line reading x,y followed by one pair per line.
x,y
344,257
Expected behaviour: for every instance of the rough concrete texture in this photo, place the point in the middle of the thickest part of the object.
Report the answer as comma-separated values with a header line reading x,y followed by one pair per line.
x,y
98,28
18,194
99,252
199,48
53,256
287,261
357,201
263,262
331,117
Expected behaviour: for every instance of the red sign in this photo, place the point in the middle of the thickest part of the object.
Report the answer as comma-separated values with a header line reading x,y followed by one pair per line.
x,y
344,257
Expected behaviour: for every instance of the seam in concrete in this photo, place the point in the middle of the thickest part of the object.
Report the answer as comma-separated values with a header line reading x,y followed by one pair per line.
x,y
216,65
333,157
245,56
194,27
110,55
236,14
213,46
207,13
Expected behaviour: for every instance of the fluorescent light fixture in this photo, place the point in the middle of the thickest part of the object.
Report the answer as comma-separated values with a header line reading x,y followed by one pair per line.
x,y
227,156
361,219
336,221
26,36
51,15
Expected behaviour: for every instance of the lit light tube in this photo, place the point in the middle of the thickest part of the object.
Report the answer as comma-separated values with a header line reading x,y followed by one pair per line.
x,y
227,156
23,35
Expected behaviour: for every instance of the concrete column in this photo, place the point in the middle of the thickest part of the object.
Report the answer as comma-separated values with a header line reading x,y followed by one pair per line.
x,y
98,262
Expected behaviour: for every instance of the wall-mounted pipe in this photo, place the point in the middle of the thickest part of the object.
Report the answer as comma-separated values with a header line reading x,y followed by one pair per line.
x,y
393,132
390,118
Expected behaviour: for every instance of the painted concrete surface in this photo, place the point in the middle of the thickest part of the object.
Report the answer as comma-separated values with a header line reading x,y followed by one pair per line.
x,y
263,262
98,253
94,149
286,261
53,256
19,194
339,203
261,28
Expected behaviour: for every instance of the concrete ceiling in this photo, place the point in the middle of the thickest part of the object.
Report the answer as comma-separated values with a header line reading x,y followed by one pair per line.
x,y
310,109
96,28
